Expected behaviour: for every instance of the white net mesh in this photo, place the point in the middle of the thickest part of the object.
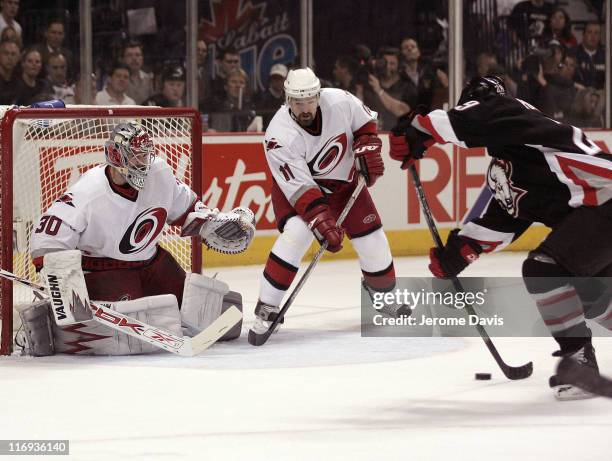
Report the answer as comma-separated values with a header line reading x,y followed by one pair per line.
x,y
50,155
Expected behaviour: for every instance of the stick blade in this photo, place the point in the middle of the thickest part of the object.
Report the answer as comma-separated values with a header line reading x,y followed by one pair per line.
x,y
516,373
215,330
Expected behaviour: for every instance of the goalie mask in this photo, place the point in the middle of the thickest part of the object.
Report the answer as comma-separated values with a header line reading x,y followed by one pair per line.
x,y
131,151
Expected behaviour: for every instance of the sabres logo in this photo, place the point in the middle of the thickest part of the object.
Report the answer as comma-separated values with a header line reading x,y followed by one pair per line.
x,y
143,231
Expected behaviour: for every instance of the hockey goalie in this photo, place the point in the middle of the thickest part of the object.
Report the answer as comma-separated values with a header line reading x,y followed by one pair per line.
x,y
101,240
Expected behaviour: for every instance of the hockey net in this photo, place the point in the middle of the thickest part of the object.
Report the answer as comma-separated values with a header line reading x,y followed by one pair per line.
x,y
43,151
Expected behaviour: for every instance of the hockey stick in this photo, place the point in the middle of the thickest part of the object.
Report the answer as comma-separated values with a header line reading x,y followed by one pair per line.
x,y
256,339
586,378
521,372
158,337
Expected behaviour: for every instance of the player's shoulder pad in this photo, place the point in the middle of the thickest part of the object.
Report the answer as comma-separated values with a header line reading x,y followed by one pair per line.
x,y
333,96
91,185
282,132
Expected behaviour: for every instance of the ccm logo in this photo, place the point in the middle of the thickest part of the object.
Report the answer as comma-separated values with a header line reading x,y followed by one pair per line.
x,y
369,219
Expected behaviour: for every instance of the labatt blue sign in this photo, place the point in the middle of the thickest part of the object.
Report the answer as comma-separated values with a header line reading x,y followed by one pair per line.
x,y
261,36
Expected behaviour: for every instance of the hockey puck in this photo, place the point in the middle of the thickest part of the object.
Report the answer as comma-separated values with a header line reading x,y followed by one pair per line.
x,y
482,376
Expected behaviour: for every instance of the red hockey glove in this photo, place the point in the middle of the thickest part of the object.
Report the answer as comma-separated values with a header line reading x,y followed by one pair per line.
x,y
407,144
324,227
457,254
368,160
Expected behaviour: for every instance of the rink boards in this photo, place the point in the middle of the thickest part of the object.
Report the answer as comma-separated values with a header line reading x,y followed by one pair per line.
x,y
454,179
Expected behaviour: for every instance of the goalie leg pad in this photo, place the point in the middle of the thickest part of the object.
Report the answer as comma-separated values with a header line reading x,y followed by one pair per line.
x,y
93,338
63,276
233,298
36,321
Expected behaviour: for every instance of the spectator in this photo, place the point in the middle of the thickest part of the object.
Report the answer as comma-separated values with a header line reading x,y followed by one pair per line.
x,y
116,86
268,102
591,58
560,92
589,108
344,72
560,28
532,83
228,61
9,58
235,111
8,13
140,86
204,83
423,80
486,64
387,93
54,43
528,19
31,86
57,70
10,34
173,88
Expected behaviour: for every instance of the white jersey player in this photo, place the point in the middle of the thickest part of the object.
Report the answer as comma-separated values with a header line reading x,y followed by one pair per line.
x,y
115,213
315,146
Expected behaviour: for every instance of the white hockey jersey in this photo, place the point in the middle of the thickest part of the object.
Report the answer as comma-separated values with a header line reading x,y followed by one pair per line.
x,y
299,157
96,217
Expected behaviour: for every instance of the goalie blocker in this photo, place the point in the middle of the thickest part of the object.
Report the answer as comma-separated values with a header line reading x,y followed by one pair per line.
x,y
47,329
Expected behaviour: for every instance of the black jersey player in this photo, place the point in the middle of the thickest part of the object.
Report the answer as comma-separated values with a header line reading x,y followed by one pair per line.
x,y
540,171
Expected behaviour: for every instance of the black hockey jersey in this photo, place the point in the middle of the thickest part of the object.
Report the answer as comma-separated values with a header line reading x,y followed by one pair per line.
x,y
540,169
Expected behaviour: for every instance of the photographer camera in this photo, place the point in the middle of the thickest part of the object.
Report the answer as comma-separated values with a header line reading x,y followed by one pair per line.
x,y
386,92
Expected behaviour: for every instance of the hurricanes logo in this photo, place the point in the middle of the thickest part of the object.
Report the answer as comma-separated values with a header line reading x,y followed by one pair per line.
x,y
329,157
143,231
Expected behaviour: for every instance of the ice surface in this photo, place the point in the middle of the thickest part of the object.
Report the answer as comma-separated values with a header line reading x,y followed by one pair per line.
x,y
316,391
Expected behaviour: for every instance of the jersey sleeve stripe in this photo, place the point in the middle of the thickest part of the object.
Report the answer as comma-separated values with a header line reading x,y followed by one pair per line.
x,y
439,125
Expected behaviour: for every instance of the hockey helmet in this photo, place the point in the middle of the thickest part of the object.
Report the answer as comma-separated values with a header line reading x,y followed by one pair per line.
x,y
301,84
130,150
479,88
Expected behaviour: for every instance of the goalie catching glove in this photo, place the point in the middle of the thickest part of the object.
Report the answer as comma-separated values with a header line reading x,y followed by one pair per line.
x,y
229,233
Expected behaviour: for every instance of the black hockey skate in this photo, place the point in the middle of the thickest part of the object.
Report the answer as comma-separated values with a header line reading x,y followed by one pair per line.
x,y
562,387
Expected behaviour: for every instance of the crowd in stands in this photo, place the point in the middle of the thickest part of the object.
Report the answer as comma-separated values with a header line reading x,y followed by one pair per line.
x,y
537,54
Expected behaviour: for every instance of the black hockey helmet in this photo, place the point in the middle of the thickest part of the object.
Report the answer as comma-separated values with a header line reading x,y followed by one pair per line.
x,y
479,88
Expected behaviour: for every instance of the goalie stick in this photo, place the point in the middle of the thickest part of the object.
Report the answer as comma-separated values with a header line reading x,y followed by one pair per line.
x,y
158,337
586,378
261,338
520,372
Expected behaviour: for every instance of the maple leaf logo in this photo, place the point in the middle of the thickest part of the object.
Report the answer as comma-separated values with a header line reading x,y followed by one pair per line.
x,y
227,15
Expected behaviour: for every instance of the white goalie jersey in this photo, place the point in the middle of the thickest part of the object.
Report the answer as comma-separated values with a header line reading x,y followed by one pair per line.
x,y
105,220
298,157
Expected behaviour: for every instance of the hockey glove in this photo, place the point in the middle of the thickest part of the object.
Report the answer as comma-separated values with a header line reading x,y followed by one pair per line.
x,y
457,254
229,233
368,160
407,143
324,227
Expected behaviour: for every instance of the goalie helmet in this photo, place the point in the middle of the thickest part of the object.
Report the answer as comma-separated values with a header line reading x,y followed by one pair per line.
x,y
479,88
301,84
130,150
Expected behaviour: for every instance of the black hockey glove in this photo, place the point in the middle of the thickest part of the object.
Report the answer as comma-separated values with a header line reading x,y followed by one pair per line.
x,y
407,144
457,254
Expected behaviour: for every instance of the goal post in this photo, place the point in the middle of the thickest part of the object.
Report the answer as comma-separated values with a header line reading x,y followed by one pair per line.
x,y
44,151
